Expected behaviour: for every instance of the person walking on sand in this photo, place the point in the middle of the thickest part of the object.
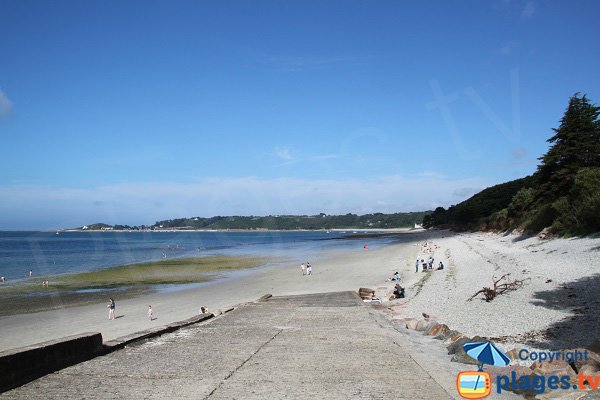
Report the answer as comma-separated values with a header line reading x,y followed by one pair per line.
x,y
303,267
111,308
150,312
417,266
308,269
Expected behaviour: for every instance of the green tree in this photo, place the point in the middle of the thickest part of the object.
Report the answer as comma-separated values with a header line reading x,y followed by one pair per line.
x,y
575,145
579,213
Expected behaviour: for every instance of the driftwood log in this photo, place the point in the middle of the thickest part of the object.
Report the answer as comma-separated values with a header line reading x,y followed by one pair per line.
x,y
500,286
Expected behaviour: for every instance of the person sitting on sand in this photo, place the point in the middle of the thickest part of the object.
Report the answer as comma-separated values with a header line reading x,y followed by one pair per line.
x,y
441,266
396,277
398,291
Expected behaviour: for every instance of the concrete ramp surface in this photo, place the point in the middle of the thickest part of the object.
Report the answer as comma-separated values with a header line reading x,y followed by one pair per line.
x,y
325,346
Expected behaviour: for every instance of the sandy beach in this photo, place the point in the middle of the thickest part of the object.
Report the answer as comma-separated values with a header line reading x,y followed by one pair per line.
x,y
556,308
341,271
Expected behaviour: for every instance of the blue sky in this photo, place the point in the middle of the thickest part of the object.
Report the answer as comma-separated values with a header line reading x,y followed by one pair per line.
x,y
134,111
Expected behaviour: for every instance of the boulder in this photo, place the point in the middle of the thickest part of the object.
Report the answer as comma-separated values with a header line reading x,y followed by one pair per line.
x,y
453,338
590,369
463,358
565,395
411,324
556,367
519,370
458,352
437,329
423,325
457,345
594,347
593,360
447,335
429,316
513,354
366,293
546,233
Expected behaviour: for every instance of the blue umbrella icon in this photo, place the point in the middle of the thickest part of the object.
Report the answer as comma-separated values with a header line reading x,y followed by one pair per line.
x,y
486,353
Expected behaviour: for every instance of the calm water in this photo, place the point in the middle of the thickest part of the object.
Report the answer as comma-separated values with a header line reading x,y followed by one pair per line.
x,y
48,254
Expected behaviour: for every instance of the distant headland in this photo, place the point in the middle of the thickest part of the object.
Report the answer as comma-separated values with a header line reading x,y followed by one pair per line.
x,y
320,221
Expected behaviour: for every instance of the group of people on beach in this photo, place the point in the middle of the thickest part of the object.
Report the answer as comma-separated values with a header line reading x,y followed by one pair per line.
x,y
112,306
428,247
306,268
427,265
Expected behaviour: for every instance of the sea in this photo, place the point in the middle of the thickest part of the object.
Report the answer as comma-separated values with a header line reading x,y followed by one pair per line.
x,y
48,254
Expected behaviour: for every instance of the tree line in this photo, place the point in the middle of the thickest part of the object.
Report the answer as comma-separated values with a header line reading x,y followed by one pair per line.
x,y
563,194
280,222
295,222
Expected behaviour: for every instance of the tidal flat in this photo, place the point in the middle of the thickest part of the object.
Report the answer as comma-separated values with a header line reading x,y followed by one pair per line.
x,y
126,281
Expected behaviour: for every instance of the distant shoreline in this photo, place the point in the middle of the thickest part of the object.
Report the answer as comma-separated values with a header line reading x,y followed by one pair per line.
x,y
336,230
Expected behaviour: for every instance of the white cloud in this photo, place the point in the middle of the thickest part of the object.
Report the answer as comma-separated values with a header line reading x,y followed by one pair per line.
x,y
26,207
528,10
283,153
5,104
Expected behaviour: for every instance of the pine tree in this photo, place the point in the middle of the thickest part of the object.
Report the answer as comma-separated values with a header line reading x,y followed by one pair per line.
x,y
575,145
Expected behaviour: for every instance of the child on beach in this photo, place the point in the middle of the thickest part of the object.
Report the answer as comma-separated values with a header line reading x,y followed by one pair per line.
x,y
150,312
303,267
